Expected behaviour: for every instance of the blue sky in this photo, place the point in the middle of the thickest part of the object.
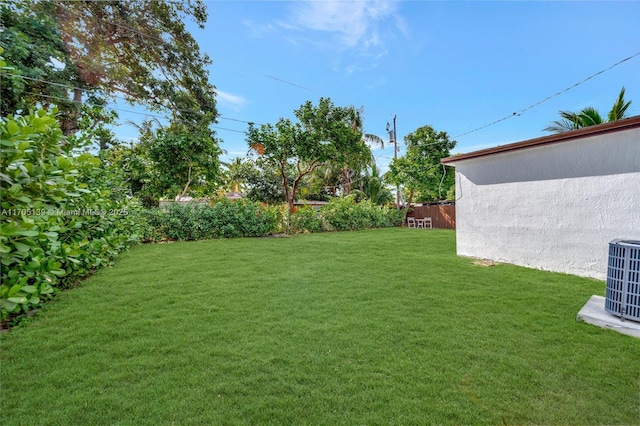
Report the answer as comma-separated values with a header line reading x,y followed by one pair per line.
x,y
453,65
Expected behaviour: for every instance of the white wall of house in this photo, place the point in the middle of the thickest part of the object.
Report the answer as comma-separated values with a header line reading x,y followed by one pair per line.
x,y
554,207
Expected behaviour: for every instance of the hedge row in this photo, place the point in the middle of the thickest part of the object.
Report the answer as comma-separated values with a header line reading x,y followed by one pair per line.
x,y
63,213
229,219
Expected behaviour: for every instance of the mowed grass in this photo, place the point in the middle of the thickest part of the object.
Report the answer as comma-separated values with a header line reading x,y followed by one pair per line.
x,y
374,327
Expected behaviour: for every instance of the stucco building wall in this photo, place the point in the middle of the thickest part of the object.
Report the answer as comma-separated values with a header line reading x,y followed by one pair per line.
x,y
554,207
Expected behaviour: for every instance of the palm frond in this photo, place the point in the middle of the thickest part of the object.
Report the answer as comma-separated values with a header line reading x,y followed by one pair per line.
x,y
619,109
569,121
374,140
590,117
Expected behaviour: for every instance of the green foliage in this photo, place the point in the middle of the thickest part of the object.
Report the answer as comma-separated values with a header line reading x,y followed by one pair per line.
x,y
420,170
183,160
32,39
239,219
138,170
169,161
136,48
277,214
305,219
143,51
263,181
63,214
589,116
244,218
344,214
323,134
225,219
43,74
374,188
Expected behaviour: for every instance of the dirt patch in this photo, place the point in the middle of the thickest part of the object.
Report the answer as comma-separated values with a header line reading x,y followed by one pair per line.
x,y
483,262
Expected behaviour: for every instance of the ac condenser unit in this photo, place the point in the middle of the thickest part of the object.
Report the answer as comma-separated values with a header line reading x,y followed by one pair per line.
x,y
623,279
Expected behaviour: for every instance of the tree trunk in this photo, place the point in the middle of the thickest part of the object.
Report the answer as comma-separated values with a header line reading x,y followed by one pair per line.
x,y
186,187
69,123
409,201
288,193
347,181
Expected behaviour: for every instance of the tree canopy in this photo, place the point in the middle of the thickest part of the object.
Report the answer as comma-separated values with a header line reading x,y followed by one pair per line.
x,y
135,49
420,170
323,133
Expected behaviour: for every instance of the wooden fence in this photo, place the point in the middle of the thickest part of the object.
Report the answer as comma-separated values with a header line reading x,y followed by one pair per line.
x,y
442,215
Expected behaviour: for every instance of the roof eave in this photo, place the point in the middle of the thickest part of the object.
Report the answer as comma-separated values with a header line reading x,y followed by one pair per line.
x,y
614,126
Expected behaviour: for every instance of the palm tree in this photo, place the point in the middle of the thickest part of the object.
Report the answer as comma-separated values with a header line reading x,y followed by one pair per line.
x,y
233,176
364,158
589,116
358,124
374,187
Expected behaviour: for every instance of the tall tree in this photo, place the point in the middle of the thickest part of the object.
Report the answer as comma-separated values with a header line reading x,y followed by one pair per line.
x,y
341,176
137,49
323,134
234,175
360,160
589,116
420,170
184,161
263,181
374,188
44,73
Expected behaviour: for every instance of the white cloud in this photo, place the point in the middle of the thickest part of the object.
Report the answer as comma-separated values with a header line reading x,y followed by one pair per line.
x,y
234,102
356,24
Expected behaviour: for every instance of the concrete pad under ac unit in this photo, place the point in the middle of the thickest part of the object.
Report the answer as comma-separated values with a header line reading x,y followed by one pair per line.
x,y
593,313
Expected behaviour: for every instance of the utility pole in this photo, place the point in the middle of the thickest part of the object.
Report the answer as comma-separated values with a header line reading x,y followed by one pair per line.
x,y
392,137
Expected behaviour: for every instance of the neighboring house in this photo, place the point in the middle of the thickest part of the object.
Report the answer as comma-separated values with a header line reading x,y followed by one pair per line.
x,y
554,202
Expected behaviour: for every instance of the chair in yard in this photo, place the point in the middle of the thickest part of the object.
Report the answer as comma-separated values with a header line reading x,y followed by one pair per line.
x,y
411,222
424,223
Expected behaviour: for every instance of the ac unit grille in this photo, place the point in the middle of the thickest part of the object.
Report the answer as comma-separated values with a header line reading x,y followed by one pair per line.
x,y
623,279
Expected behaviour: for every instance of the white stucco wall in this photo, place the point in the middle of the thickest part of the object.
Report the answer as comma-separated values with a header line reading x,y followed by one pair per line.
x,y
554,207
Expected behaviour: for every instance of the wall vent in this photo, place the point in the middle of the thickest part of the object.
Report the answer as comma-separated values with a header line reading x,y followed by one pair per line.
x,y
623,279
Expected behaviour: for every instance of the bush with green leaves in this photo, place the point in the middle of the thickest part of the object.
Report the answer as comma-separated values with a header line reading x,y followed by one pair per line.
x,y
277,214
305,219
225,219
63,213
344,214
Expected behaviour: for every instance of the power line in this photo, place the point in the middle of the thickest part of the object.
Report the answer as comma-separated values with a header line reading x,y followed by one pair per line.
x,y
284,81
116,96
222,117
66,86
522,111
146,114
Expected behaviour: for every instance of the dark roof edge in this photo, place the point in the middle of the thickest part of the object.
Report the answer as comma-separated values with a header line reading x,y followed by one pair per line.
x,y
614,126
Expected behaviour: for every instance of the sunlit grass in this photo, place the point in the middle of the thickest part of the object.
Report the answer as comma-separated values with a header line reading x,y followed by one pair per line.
x,y
374,327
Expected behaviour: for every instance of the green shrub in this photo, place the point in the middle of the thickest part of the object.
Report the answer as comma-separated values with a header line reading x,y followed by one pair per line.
x,y
63,213
305,219
225,219
343,214
276,214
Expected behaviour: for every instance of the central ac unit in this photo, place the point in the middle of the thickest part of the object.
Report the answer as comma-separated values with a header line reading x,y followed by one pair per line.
x,y
623,279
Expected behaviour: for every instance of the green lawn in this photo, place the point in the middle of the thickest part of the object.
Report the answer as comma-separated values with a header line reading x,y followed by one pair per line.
x,y
373,327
